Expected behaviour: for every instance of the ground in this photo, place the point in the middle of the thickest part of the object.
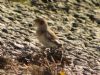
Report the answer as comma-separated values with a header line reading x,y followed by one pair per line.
x,y
76,23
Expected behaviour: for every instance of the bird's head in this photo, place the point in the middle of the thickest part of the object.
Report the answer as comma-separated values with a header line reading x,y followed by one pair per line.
x,y
41,23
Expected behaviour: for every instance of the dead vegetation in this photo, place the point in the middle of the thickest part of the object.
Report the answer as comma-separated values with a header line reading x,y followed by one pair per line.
x,y
49,62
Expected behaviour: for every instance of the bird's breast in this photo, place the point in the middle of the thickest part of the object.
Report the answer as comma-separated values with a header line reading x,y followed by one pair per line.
x,y
45,41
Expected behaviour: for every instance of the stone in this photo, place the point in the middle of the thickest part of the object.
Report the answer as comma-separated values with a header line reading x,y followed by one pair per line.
x,y
5,30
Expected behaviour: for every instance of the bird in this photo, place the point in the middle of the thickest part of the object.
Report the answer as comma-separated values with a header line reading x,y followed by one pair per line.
x,y
45,35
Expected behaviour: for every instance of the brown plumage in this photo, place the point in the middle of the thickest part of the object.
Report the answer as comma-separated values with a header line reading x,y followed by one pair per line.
x,y
46,36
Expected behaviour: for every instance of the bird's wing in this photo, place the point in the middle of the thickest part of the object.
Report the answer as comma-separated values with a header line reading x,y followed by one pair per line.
x,y
52,37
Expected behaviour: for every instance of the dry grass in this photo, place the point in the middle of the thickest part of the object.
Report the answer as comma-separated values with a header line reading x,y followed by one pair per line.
x,y
35,65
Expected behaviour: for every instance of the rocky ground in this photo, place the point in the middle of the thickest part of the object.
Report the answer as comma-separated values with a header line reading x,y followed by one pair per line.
x,y
76,22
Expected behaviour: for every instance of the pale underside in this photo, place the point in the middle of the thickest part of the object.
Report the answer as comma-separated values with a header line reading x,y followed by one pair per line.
x,y
48,38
